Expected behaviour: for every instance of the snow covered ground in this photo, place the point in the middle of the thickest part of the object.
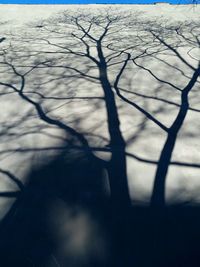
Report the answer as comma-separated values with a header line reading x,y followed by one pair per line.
x,y
42,57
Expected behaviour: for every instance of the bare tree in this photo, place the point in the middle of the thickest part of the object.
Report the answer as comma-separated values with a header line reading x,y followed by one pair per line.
x,y
77,50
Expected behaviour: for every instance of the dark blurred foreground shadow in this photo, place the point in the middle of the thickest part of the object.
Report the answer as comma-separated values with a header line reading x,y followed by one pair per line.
x,y
64,218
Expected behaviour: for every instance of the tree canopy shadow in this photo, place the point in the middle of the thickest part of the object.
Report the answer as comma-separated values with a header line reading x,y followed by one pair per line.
x,y
90,89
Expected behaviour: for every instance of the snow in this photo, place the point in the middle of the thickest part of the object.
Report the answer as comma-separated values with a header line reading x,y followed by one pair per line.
x,y
19,120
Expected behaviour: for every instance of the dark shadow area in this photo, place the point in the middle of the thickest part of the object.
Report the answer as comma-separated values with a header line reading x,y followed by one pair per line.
x,y
60,217
63,217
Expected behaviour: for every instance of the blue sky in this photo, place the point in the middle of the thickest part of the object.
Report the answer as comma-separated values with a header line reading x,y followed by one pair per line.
x,y
90,1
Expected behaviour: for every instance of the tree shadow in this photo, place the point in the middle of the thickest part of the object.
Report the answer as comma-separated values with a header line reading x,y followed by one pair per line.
x,y
74,208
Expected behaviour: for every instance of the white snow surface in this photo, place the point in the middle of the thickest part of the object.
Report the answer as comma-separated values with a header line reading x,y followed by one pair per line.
x,y
28,47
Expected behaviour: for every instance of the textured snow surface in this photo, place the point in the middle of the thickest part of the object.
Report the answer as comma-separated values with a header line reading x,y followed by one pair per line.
x,y
54,79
